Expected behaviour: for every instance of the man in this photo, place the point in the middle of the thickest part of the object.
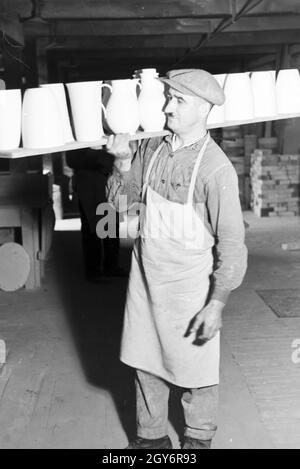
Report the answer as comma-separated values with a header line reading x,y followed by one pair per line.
x,y
189,255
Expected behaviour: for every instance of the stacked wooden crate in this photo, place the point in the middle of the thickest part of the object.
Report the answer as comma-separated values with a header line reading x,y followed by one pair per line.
x,y
233,146
239,147
275,181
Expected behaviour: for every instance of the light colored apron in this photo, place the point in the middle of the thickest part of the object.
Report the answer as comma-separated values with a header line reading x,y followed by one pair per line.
x,y
169,282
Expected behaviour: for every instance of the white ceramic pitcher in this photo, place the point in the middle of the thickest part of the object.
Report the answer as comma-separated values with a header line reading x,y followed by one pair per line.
x,y
41,120
264,94
217,113
10,119
122,111
288,91
151,101
239,99
86,105
58,91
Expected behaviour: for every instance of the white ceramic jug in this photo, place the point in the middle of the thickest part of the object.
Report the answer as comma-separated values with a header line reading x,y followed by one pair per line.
x,y
41,120
86,105
59,94
239,103
10,119
264,94
122,112
151,101
288,91
217,113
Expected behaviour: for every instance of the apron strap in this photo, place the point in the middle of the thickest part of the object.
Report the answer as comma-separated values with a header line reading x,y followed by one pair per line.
x,y
151,163
195,170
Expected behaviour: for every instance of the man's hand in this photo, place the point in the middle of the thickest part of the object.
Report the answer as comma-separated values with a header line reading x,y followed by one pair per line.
x,y
118,145
208,321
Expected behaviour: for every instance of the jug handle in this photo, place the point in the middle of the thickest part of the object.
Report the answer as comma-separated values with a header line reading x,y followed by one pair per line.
x,y
110,88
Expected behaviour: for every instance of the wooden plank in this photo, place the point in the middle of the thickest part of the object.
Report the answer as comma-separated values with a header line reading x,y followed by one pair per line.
x,y
23,153
256,38
277,6
85,57
265,60
54,9
57,9
130,27
266,23
181,41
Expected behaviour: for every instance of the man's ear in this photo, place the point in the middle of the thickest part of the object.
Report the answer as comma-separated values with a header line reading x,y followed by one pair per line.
x,y
205,108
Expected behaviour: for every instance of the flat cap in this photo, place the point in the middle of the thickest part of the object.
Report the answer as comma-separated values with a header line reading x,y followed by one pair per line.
x,y
195,82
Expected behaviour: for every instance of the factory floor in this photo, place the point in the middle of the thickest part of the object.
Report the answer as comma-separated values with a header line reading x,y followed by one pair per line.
x,y
63,386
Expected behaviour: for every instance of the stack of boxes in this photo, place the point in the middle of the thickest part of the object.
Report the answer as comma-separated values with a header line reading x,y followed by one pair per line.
x,y
275,181
233,146
269,183
238,148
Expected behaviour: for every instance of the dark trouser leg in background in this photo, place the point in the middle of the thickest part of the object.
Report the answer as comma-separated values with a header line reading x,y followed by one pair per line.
x,y
111,247
91,247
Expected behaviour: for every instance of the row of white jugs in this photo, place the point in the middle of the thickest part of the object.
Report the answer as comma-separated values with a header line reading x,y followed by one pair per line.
x,y
44,119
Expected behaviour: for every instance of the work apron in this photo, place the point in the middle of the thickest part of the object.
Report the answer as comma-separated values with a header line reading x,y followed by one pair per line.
x,y
168,284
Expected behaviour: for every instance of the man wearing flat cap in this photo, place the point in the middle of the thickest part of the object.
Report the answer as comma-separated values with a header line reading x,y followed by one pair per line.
x,y
188,256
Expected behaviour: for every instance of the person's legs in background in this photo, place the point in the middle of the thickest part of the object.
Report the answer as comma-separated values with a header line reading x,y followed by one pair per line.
x,y
91,248
111,250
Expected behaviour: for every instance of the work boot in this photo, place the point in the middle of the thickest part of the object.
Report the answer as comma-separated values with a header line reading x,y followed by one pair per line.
x,y
193,443
144,443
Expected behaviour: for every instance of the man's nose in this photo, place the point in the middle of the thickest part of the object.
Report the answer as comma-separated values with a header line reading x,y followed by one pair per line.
x,y
170,107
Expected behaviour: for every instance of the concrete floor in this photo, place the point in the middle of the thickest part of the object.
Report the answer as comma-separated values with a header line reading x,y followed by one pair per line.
x,y
63,386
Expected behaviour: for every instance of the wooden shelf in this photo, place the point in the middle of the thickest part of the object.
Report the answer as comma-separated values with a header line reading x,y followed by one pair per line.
x,y
25,152
255,120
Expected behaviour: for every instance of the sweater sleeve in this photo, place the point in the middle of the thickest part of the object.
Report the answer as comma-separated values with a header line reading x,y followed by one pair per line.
x,y
124,186
226,219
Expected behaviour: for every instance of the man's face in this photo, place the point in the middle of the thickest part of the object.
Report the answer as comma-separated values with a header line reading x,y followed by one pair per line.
x,y
184,112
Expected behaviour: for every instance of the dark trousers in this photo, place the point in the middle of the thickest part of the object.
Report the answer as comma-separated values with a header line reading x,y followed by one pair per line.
x,y
100,255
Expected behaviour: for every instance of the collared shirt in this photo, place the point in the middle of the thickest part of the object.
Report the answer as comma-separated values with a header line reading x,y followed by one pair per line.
x,y
176,142
216,187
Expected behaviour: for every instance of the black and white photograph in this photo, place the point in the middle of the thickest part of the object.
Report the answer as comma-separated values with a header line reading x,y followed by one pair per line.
x,y
149,227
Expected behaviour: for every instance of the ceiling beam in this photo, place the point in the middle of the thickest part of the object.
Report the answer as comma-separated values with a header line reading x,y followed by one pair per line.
x,y
262,62
277,7
115,28
187,41
156,27
207,54
117,9
266,23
